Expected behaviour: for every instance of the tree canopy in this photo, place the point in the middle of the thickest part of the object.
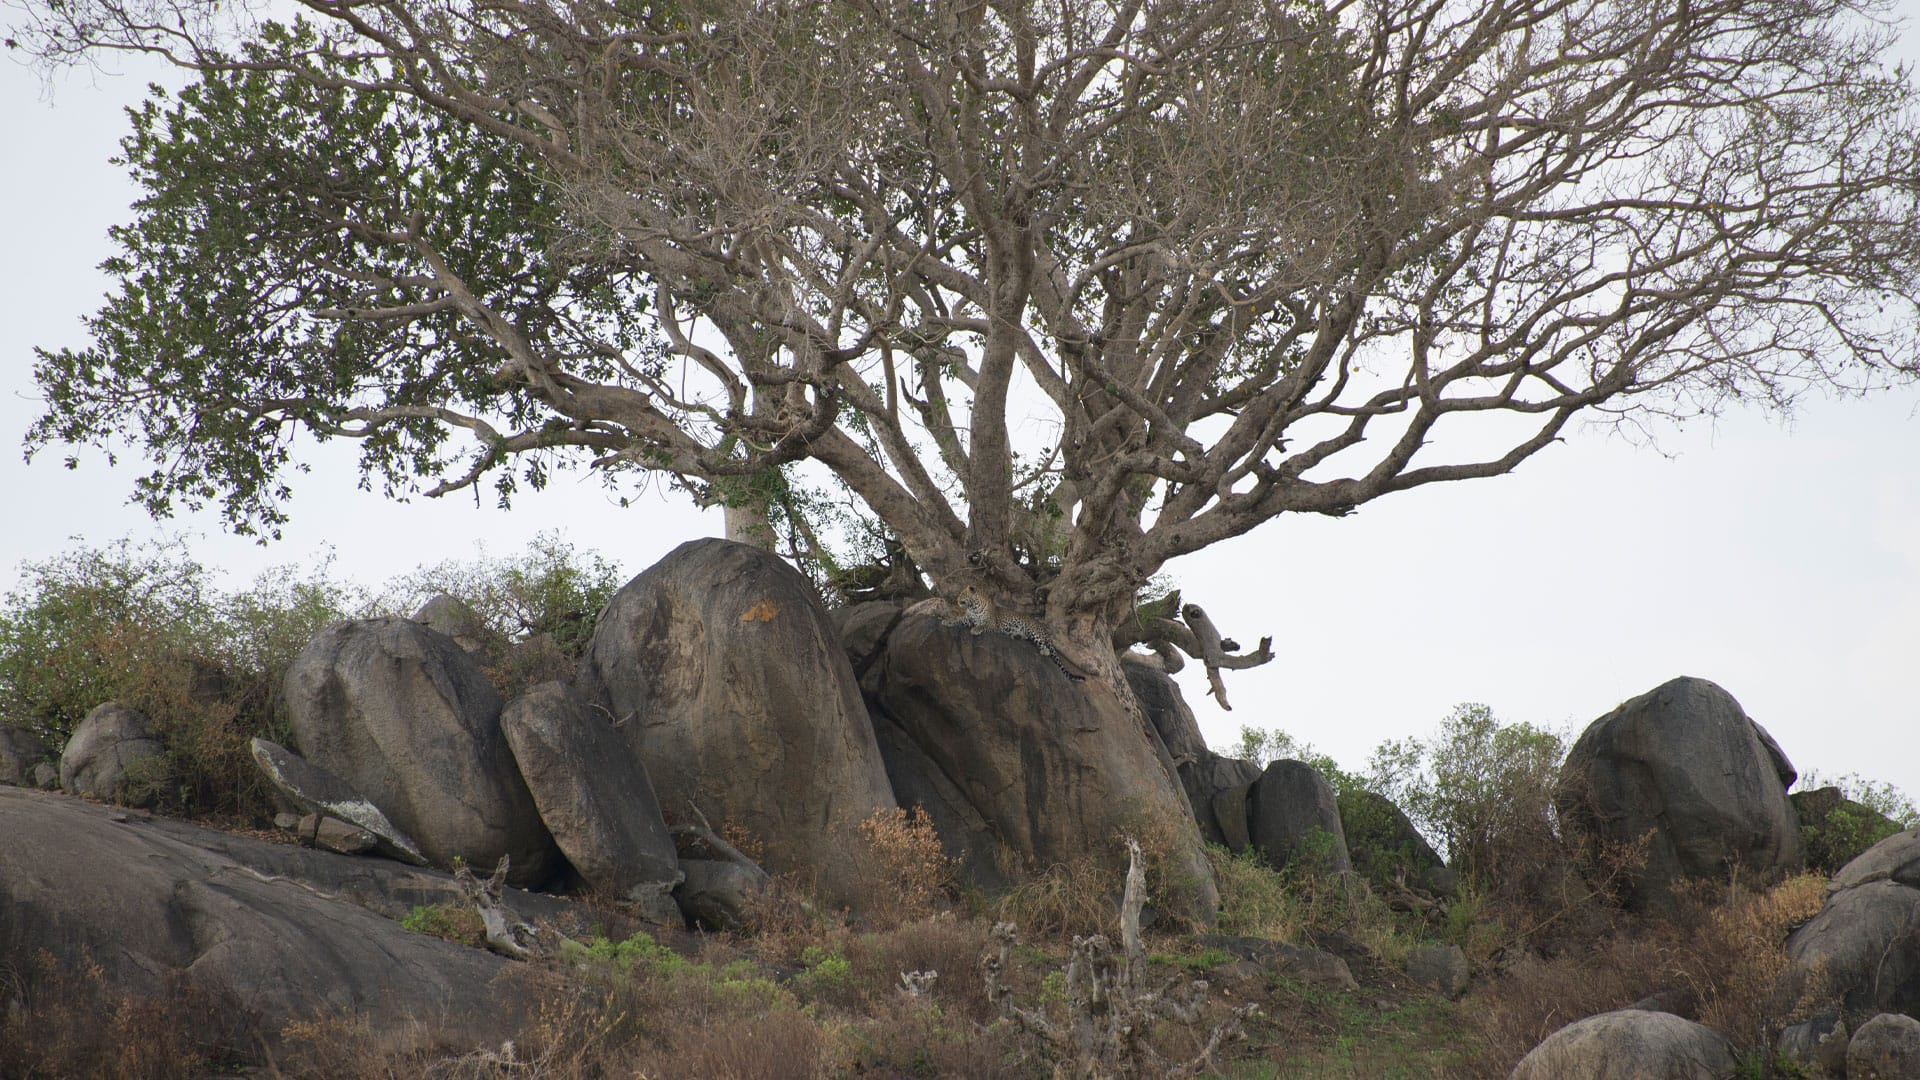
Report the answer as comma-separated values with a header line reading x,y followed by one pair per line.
x,y
1058,290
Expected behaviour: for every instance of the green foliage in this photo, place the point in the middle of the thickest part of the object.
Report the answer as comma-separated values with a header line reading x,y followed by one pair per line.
x,y
148,626
454,922
1480,788
1837,825
279,208
1262,746
551,590
826,970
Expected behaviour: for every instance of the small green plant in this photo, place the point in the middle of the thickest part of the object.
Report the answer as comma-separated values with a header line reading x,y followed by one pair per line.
x,y
452,922
825,969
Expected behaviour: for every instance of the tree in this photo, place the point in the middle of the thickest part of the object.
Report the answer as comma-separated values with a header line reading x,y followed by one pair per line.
x,y
1058,291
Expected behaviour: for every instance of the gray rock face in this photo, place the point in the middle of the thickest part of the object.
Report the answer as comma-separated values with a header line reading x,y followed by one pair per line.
x,y
594,796
20,751
1896,858
1292,813
1203,773
1440,967
113,755
1861,943
153,901
405,717
1629,1045
1054,768
1886,1047
1683,762
722,672
716,895
328,797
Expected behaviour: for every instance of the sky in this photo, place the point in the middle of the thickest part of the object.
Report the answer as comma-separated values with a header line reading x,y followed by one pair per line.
x,y
1780,559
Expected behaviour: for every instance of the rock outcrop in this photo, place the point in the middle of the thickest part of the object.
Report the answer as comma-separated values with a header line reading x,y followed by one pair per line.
x,y
404,716
1684,765
1629,1045
594,796
114,755
722,672
285,933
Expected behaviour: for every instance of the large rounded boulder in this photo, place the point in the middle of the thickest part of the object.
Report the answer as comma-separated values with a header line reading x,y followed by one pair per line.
x,y
405,717
1629,1045
1683,767
1293,817
114,755
1054,768
721,670
1862,944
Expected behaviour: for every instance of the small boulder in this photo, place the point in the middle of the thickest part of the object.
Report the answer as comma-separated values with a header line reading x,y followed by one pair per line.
x,y
594,797
1818,1044
1886,1047
20,752
1683,764
717,895
46,776
452,617
1440,967
1317,969
335,835
405,717
1292,814
1629,1045
114,756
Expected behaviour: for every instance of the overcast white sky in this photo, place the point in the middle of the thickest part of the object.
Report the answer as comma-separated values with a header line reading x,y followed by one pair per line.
x,y
1779,560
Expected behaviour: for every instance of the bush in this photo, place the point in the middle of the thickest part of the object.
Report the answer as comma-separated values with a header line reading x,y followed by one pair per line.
x,y
542,605
1481,789
1840,818
147,625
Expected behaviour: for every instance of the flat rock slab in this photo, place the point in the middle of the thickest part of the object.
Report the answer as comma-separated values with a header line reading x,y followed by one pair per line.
x,y
320,792
153,902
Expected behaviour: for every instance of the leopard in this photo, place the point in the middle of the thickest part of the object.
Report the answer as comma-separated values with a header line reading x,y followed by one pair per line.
x,y
979,613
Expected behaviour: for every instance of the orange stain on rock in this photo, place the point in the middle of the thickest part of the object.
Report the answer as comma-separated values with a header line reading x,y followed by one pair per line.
x,y
764,611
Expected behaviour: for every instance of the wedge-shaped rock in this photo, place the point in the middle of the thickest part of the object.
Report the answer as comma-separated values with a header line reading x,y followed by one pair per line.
x,y
318,791
594,796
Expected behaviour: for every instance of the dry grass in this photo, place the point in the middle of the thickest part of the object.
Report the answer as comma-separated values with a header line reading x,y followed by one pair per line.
x,y
61,1022
907,873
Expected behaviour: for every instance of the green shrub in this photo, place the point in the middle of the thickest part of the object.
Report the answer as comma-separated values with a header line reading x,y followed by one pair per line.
x,y
148,626
1842,817
450,921
1480,789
